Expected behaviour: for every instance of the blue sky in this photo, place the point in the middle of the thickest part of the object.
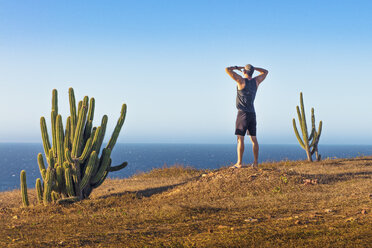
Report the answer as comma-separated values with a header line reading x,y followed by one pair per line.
x,y
166,60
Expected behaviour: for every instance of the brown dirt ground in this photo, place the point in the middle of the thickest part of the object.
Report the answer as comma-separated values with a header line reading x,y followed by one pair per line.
x,y
283,204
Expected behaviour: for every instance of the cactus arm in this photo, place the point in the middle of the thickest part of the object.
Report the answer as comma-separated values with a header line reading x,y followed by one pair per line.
x,y
51,159
96,139
317,134
86,151
298,135
85,103
91,109
80,103
24,189
55,196
117,167
60,178
313,150
314,140
103,178
88,129
300,121
43,174
299,116
311,134
48,183
68,156
117,129
53,118
55,101
303,122
93,133
39,191
40,162
72,112
78,132
66,142
76,146
103,165
69,183
315,147
102,132
59,139
88,172
45,136
76,177
305,134
85,111
320,128
312,124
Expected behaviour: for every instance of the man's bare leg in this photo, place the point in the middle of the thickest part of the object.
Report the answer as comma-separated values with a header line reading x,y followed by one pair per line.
x,y
240,151
255,148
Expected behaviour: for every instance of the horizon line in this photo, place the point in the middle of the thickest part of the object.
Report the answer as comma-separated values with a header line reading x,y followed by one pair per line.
x,y
197,143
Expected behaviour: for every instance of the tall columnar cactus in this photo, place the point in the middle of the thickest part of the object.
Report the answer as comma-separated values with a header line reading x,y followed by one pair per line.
x,y
24,189
308,143
75,167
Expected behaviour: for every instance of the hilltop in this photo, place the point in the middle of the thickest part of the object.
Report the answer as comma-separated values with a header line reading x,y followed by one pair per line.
x,y
283,204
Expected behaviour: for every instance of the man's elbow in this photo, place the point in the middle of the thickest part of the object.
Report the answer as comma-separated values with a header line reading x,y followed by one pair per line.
x,y
227,69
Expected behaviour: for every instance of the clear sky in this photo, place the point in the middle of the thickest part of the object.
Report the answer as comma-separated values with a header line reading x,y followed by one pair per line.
x,y
167,59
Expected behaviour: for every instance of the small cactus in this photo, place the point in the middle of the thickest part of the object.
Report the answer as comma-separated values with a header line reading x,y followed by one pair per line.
x,y
24,189
308,143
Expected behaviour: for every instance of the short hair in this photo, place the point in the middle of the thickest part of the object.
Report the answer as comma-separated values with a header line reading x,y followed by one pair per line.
x,y
249,69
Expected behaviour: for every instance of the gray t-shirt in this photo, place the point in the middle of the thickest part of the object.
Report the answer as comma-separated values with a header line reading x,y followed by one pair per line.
x,y
246,96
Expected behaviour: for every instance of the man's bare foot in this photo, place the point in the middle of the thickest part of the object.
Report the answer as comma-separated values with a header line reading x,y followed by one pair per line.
x,y
236,166
255,165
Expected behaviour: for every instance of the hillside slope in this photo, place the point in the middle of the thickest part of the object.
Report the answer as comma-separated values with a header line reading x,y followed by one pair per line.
x,y
284,204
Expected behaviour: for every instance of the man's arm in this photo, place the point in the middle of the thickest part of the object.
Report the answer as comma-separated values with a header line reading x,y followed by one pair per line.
x,y
234,75
262,76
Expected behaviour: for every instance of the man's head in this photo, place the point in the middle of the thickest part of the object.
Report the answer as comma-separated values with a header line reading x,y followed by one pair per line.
x,y
248,71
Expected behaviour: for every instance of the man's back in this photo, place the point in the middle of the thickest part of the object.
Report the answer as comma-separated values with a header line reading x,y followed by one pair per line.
x,y
245,97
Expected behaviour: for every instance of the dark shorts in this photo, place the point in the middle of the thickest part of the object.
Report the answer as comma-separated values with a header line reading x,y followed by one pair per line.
x,y
245,121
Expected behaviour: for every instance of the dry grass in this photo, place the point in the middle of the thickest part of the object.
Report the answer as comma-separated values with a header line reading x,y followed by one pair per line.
x,y
184,207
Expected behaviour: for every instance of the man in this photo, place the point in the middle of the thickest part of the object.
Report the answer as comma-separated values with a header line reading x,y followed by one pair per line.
x,y
246,119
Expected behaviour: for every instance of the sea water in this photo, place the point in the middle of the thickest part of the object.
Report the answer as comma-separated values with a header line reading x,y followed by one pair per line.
x,y
15,157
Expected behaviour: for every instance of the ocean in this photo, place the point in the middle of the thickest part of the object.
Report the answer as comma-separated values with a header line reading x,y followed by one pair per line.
x,y
15,157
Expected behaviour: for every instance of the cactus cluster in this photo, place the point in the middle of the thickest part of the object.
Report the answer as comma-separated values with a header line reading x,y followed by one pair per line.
x,y
74,165
308,143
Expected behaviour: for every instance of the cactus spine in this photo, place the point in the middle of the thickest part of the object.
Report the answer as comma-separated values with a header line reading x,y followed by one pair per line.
x,y
24,189
75,167
308,143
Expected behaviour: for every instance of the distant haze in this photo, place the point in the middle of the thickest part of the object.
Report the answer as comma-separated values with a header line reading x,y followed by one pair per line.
x,y
167,59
